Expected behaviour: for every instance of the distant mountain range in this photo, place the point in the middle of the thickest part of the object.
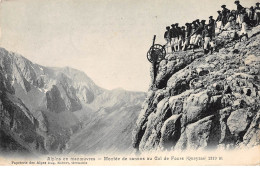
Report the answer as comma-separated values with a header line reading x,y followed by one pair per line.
x,y
53,110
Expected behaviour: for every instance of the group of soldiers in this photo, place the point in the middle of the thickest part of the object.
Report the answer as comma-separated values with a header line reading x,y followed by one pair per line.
x,y
199,34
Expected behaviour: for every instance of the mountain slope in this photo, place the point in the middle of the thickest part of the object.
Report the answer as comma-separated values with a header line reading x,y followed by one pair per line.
x,y
204,101
53,104
108,131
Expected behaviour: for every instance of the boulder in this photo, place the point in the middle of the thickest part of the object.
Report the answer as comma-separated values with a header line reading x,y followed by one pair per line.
x,y
238,121
170,132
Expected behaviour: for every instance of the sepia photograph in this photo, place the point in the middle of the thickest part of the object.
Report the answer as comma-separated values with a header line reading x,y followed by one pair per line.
x,y
129,83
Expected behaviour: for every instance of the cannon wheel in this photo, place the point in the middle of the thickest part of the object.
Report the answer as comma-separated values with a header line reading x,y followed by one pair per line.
x,y
156,53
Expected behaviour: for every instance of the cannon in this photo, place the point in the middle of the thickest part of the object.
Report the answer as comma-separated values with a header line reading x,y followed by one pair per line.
x,y
156,52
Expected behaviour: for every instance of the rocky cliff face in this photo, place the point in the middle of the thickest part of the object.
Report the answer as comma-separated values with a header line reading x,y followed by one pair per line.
x,y
204,101
18,127
41,108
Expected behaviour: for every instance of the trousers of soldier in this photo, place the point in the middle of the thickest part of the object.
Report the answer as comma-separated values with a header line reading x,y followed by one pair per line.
x,y
206,42
257,17
193,39
180,43
244,28
198,39
168,44
219,25
175,43
230,25
240,18
186,43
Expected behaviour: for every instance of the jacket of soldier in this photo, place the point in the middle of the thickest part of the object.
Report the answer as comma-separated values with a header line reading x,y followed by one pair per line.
x,y
225,12
240,9
167,34
200,29
179,32
207,33
174,33
187,31
212,22
193,29
231,17
219,18
183,33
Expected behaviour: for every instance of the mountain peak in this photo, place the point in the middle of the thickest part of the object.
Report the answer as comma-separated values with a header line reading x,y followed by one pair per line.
x,y
58,102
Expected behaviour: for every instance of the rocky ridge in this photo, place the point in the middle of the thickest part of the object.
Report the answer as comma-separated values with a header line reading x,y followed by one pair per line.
x,y
202,101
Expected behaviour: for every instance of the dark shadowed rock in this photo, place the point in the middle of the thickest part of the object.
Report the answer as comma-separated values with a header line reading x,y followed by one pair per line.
x,y
54,101
170,132
252,136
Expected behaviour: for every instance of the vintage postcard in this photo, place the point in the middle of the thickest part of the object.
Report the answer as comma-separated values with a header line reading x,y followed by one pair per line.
x,y
127,82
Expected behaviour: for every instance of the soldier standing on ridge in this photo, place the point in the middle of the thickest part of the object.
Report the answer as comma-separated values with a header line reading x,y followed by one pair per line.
x,y
174,37
178,31
212,25
174,33
219,21
231,20
167,37
251,14
187,37
198,33
257,14
182,36
193,34
207,35
240,13
241,19
225,13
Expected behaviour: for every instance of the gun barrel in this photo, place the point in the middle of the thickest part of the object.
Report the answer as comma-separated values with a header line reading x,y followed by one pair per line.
x,y
154,37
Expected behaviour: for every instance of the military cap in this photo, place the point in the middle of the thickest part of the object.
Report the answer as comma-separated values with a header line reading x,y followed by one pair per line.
x,y
168,27
236,2
176,24
210,17
257,3
223,6
219,11
183,27
198,20
173,25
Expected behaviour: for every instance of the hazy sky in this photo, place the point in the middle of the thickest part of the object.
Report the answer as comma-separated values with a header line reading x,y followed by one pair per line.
x,y
107,39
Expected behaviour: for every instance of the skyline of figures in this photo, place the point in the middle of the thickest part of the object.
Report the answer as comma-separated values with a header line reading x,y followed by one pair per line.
x,y
198,34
